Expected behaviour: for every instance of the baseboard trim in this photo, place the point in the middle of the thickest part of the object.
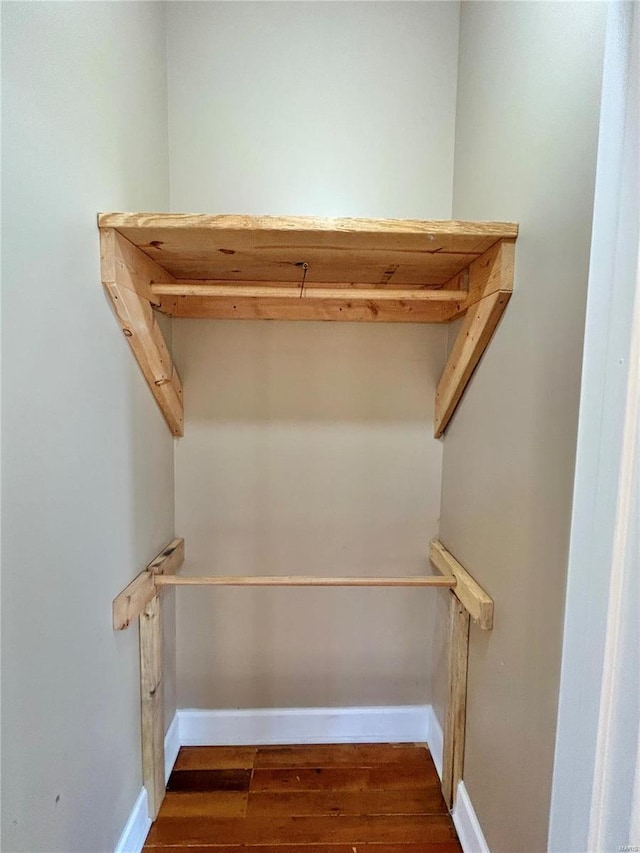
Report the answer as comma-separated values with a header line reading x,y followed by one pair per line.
x,y
267,726
467,824
464,817
435,739
137,826
172,746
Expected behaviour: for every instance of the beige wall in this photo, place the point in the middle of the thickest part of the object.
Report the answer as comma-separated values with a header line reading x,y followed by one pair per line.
x,y
308,448
526,136
87,486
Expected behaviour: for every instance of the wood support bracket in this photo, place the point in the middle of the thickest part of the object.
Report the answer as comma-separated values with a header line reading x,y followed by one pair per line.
x,y
467,590
467,600
455,722
152,704
490,288
127,276
305,268
131,602
142,599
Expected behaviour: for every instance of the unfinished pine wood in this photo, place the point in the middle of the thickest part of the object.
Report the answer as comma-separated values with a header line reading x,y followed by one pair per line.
x,y
302,580
478,327
348,305
478,603
491,272
151,704
133,599
131,602
169,560
305,268
123,264
145,338
385,797
490,283
455,721
270,248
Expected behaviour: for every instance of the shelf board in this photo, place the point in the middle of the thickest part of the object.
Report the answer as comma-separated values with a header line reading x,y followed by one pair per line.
x,y
305,268
374,252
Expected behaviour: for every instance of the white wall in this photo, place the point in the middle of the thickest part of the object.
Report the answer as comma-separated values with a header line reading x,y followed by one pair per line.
x,y
526,140
308,447
339,109
87,458
596,785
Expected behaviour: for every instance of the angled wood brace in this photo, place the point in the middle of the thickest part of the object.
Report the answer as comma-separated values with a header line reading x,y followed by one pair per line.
x,y
490,288
127,276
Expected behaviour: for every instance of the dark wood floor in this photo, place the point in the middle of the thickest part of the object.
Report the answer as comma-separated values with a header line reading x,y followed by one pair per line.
x,y
370,798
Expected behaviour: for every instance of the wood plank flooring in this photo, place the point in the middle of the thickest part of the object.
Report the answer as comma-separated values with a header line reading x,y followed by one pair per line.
x,y
346,798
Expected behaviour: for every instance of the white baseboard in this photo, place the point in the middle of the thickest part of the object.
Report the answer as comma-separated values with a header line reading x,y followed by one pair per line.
x,y
137,826
392,724
135,831
435,739
172,746
467,824
464,816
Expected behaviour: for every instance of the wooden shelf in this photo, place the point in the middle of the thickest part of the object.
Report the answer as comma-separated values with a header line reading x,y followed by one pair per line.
x,y
304,268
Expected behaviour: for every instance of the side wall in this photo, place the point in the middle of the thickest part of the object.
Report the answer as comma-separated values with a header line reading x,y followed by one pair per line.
x,y
308,446
526,138
87,458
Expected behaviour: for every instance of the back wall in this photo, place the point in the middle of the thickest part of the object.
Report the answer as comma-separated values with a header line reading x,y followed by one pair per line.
x,y
308,447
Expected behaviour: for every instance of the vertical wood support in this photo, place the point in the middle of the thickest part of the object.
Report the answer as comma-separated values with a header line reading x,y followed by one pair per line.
x,y
454,732
152,705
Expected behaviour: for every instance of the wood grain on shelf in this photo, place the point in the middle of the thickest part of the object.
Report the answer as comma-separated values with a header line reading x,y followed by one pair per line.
x,y
275,248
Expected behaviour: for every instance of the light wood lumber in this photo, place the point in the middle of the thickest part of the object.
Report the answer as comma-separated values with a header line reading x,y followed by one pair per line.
x,y
131,602
387,310
303,580
275,248
313,226
477,602
126,265
145,338
455,721
169,560
491,272
275,290
152,706
477,329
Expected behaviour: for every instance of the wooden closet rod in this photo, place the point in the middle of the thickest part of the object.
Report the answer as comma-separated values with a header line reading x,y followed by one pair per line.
x,y
302,580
